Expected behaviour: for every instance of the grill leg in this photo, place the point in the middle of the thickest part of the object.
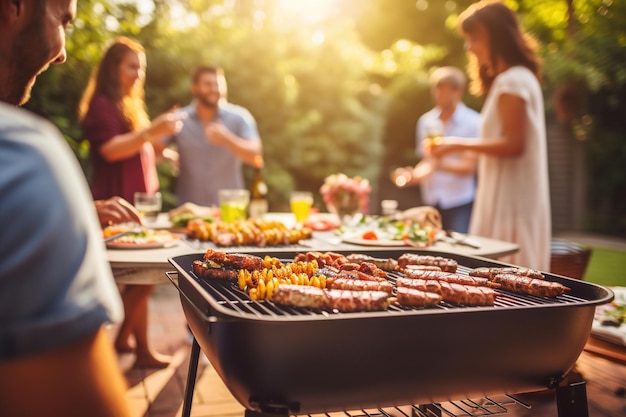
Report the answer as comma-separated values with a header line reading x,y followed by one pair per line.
x,y
571,400
191,377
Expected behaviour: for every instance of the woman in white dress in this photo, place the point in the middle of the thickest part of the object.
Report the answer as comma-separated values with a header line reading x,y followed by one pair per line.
x,y
512,198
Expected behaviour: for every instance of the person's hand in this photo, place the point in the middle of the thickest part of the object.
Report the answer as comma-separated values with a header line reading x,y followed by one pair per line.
x,y
167,124
116,210
401,176
217,133
445,147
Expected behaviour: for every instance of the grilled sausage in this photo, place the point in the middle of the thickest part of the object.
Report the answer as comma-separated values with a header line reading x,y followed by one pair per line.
x,y
300,296
422,268
489,273
452,293
360,285
410,297
446,264
528,285
234,260
352,301
340,300
445,276
388,264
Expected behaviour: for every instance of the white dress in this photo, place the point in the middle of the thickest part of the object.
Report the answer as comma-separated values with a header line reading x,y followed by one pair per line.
x,y
512,198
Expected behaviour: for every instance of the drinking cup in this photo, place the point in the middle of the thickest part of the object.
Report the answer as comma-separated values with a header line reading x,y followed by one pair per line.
x,y
233,204
301,203
148,204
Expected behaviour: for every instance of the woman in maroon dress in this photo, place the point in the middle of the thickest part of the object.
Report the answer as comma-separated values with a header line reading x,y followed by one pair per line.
x,y
121,137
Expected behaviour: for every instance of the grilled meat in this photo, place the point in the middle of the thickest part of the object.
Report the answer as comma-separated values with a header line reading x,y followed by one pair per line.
x,y
300,296
410,297
234,260
360,285
528,285
323,258
446,276
340,300
352,301
221,265
422,268
388,264
467,295
489,273
446,264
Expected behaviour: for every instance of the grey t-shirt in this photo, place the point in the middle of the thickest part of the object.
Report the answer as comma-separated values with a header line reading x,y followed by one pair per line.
x,y
205,168
56,285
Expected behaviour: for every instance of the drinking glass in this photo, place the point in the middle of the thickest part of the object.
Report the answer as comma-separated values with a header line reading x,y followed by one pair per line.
x,y
233,204
434,134
301,203
148,204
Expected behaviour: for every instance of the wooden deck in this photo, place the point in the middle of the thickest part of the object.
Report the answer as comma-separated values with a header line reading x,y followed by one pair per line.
x,y
159,393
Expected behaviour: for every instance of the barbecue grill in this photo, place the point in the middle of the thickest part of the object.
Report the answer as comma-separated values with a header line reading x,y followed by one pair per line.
x,y
278,360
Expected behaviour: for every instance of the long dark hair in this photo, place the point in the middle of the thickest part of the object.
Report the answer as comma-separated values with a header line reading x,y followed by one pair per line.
x,y
105,80
507,42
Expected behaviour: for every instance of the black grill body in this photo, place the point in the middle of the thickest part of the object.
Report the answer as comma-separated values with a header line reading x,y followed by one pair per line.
x,y
308,361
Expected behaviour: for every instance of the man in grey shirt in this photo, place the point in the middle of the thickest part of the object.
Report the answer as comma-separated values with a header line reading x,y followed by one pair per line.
x,y
216,138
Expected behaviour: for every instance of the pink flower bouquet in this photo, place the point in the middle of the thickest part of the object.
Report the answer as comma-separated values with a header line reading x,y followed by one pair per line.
x,y
346,196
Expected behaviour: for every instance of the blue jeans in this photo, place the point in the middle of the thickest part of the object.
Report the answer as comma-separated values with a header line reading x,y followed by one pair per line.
x,y
456,218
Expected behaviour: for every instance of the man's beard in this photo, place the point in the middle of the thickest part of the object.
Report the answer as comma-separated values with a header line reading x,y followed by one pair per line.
x,y
28,59
206,102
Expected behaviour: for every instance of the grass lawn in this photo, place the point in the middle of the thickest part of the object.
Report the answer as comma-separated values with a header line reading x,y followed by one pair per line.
x,y
607,267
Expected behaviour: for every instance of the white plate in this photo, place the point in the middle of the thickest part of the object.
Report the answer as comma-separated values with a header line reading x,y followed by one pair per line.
x,y
373,242
150,245
611,334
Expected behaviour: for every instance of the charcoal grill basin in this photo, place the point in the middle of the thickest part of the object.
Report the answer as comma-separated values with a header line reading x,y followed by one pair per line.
x,y
313,362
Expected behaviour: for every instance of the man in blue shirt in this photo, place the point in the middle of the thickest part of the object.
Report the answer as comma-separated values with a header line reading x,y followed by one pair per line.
x,y
56,286
216,138
447,183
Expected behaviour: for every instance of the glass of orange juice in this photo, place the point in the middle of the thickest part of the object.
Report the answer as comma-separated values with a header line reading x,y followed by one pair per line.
x,y
301,203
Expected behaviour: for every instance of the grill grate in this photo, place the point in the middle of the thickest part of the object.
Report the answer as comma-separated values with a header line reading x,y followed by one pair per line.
x,y
237,301
487,406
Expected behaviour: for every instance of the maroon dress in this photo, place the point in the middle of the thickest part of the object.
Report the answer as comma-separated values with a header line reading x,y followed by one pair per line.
x,y
122,178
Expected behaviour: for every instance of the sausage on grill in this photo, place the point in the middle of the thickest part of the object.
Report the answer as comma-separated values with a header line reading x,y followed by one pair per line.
x,y
528,285
489,273
446,276
300,296
411,297
467,295
359,285
340,300
352,301
388,264
446,264
221,265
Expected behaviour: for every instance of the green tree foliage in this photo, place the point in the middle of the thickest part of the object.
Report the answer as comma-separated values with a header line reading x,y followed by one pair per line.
x,y
342,93
584,50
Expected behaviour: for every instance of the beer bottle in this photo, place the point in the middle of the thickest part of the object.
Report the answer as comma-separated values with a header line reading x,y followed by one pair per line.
x,y
258,191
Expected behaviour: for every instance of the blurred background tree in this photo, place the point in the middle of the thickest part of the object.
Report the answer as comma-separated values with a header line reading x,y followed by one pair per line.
x,y
338,85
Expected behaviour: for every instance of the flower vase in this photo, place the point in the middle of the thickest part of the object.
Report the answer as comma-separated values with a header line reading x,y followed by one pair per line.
x,y
346,205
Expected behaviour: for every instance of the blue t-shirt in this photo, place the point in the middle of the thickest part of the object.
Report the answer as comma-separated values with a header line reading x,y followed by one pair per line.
x,y
205,168
56,285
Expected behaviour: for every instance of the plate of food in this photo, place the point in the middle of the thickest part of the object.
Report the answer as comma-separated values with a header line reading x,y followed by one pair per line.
x,y
609,322
129,237
384,231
